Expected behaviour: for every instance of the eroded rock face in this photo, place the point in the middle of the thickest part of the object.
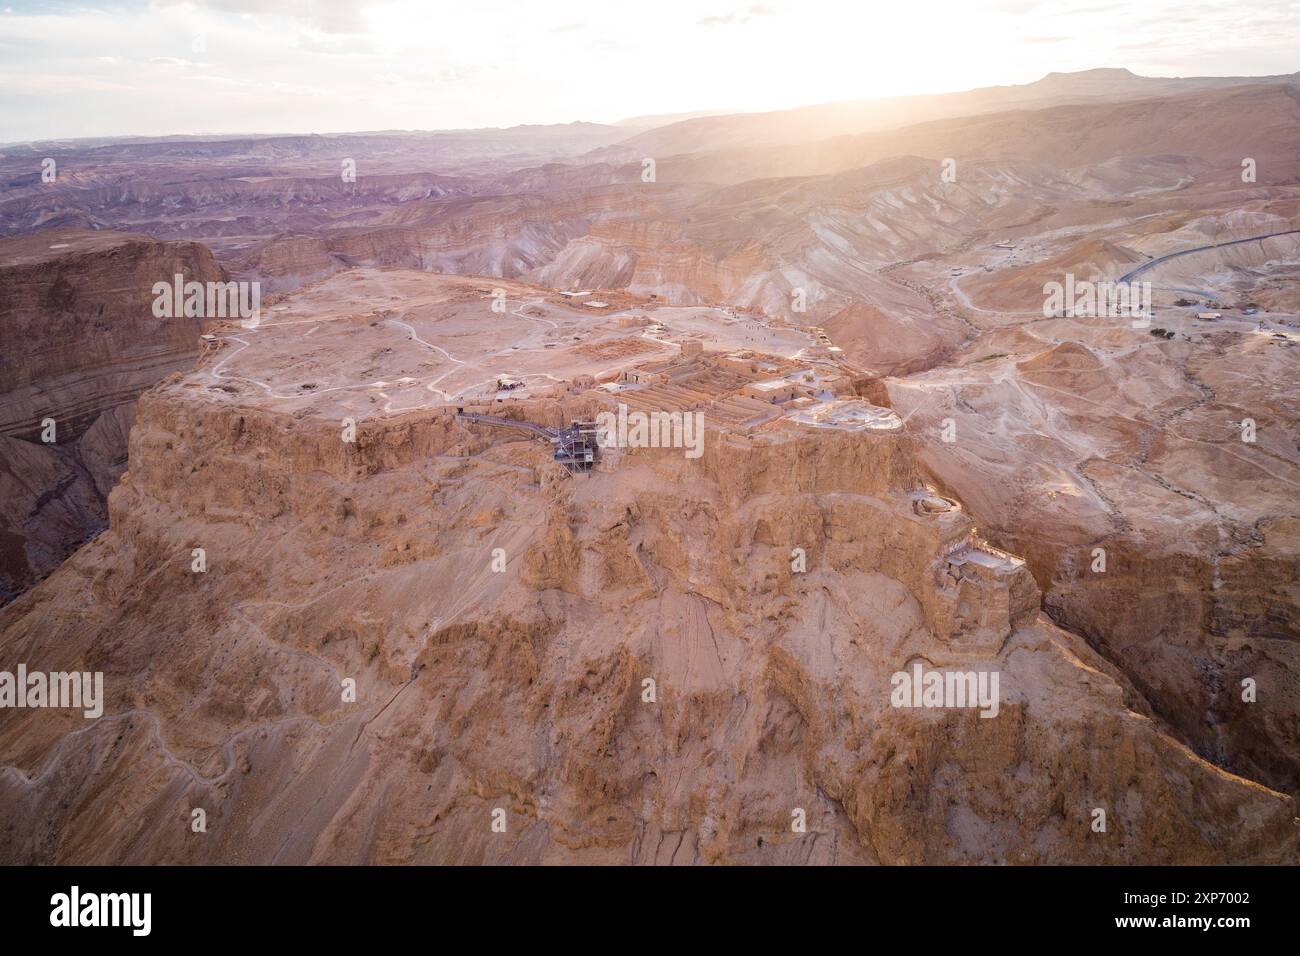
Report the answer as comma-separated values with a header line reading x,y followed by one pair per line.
x,y
525,689
1115,463
80,343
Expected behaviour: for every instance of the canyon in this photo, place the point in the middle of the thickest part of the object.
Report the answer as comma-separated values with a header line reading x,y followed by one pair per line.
x,y
81,343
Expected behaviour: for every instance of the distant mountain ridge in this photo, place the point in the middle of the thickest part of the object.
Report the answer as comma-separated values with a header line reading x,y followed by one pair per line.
x,y
822,121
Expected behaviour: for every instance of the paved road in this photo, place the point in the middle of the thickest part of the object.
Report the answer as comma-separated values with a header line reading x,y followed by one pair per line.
x,y
1128,277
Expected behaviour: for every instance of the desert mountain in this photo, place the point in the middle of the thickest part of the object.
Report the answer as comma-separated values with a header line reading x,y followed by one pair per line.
x,y
906,462
811,123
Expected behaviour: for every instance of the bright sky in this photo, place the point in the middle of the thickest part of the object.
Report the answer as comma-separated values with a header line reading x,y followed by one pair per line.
x,y
225,66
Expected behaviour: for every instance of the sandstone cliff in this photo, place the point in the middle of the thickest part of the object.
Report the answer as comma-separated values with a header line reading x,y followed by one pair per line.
x,y
1118,469
80,343
516,679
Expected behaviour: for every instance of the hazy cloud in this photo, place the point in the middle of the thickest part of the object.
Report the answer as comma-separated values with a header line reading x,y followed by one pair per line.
x,y
739,16
328,16
114,67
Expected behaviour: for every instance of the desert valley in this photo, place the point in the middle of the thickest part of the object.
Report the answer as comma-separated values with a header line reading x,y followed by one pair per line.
x,y
578,493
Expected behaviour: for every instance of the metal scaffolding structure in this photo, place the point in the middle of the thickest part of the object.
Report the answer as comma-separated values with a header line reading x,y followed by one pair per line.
x,y
576,447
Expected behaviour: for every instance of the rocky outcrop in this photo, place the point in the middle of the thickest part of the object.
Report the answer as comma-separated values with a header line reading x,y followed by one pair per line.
x,y
288,262
1117,467
627,666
